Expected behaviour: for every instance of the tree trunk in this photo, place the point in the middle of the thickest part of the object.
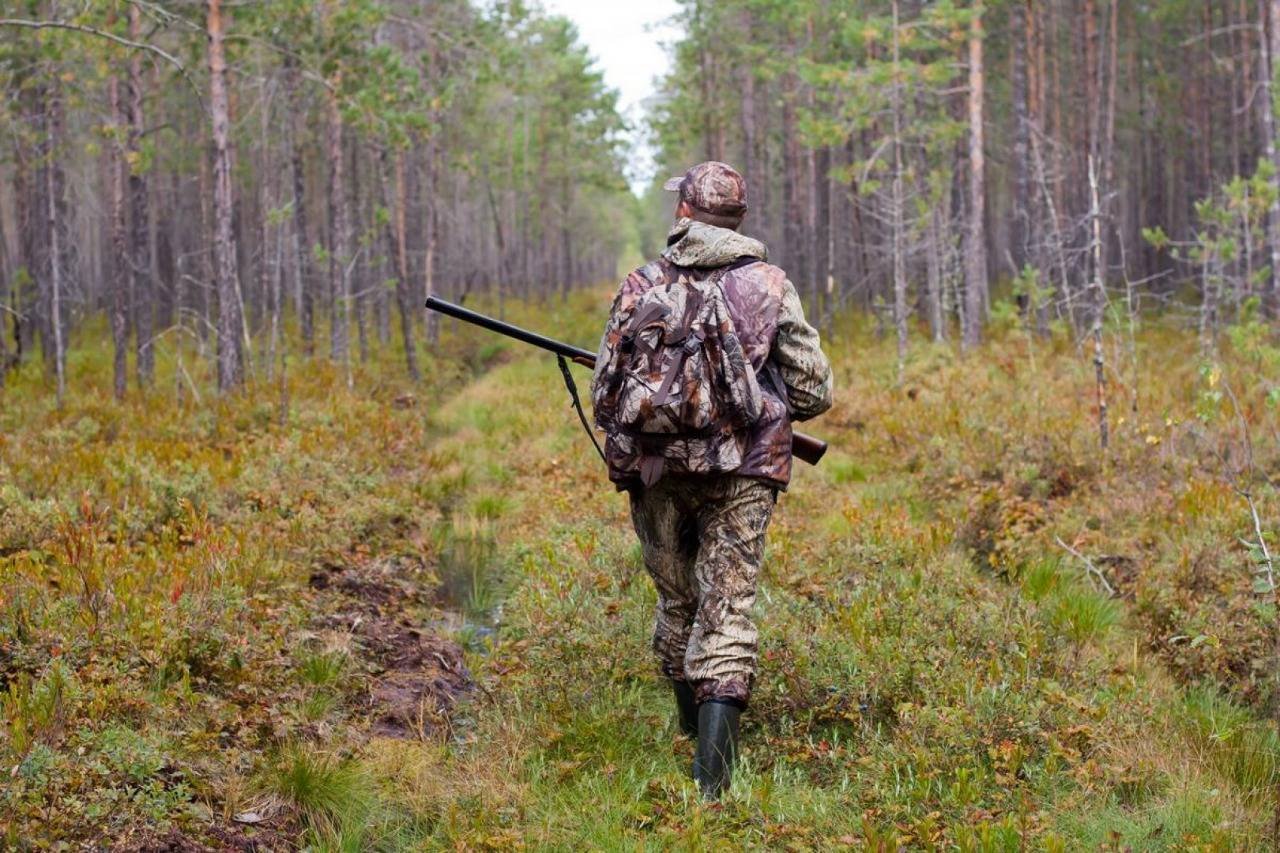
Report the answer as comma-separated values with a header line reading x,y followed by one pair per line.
x,y
1098,304
339,283
304,281
431,223
140,256
26,190
230,319
1271,50
822,227
9,271
358,265
268,272
934,276
404,302
54,187
119,296
1019,249
793,215
897,201
747,78
566,239
975,234
713,134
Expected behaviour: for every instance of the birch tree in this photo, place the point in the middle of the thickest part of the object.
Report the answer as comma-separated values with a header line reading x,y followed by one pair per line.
x,y
230,318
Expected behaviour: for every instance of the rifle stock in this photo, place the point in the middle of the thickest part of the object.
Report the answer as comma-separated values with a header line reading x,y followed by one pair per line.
x,y
804,447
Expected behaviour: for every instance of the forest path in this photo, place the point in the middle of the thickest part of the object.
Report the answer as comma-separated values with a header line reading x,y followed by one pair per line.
x,y
905,696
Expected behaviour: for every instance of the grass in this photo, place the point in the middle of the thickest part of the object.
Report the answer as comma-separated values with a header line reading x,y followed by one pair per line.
x,y
187,594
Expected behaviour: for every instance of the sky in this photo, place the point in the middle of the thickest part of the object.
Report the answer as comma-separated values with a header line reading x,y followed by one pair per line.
x,y
628,39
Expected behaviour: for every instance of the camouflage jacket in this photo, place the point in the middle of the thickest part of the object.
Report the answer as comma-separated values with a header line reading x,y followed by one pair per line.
x,y
784,350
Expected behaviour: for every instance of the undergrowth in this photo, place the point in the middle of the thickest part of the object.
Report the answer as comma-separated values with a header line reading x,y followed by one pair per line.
x,y
979,630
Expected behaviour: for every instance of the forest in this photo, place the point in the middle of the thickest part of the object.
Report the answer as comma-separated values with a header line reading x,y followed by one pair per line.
x,y
289,562
203,177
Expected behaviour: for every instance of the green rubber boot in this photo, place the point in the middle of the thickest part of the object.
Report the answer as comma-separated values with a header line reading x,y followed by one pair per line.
x,y
717,746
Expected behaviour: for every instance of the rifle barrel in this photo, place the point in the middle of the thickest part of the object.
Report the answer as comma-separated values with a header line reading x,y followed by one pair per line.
x,y
532,338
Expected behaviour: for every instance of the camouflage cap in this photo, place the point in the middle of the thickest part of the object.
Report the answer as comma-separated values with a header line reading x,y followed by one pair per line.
x,y
712,187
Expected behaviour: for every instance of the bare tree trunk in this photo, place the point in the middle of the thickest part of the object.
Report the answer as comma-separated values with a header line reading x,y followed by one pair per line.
x,y
54,235
1270,18
793,216
747,78
268,272
301,245
339,282
975,234
1098,304
767,221
898,228
274,282
713,134
26,199
230,318
934,276
140,256
403,300
9,272
119,301
1018,26
431,221
823,273
358,264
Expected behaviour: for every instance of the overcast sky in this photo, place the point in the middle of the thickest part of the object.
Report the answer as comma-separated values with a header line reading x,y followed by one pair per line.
x,y
627,39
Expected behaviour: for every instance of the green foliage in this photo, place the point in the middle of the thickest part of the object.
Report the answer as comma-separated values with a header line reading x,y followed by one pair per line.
x,y
36,708
1245,750
323,669
1041,579
1082,615
332,794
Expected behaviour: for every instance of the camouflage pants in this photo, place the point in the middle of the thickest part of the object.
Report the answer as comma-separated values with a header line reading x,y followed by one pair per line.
x,y
703,540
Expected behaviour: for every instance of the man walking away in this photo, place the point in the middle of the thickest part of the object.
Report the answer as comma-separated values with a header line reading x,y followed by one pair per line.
x,y
705,362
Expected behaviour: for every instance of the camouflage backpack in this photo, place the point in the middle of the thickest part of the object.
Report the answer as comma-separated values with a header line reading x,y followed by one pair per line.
x,y
679,384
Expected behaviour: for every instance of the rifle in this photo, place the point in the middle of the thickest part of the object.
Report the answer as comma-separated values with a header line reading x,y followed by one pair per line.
x,y
803,447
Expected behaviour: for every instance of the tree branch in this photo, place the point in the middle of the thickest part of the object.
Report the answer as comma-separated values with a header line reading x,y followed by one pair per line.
x,y
1093,570
94,31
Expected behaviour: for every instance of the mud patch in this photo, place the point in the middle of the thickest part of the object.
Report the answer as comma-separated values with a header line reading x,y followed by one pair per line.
x,y
382,583
421,679
417,676
215,838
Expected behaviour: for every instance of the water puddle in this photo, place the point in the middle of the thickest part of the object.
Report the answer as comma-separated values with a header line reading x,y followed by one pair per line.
x,y
471,576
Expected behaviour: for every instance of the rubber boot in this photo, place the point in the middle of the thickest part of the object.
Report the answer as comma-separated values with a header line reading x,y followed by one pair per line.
x,y
717,746
687,707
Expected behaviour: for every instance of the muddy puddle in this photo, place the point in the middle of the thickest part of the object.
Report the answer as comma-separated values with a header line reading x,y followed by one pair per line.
x,y
471,577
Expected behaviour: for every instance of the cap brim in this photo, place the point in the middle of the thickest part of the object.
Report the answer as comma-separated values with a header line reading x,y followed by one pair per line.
x,y
673,184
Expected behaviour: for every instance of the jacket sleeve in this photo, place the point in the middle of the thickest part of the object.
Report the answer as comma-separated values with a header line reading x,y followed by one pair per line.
x,y
797,352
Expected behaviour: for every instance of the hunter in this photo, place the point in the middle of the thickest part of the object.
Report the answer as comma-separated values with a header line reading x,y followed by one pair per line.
x,y
705,362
